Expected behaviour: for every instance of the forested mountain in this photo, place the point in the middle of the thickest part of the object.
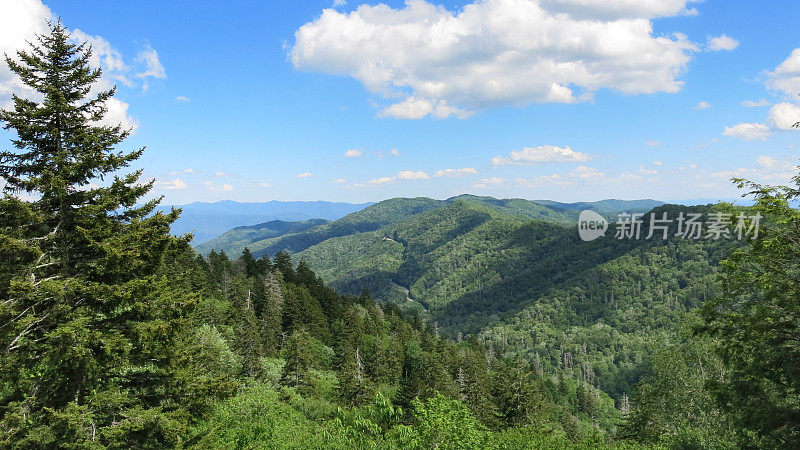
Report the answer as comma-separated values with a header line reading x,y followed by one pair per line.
x,y
209,220
495,326
394,210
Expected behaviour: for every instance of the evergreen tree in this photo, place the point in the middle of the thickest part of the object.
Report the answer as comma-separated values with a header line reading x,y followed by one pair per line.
x,y
89,325
248,264
299,360
271,320
250,343
283,262
353,380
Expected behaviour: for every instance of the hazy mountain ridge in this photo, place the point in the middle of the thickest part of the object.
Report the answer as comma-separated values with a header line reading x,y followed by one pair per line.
x,y
210,220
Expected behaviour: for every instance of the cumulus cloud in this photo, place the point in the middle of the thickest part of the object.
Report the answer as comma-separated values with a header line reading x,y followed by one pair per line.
x,y
352,153
394,152
722,42
543,154
703,105
753,104
786,77
188,170
176,184
784,116
417,108
304,175
183,99
412,175
496,52
455,172
748,131
264,185
652,143
618,9
339,180
402,175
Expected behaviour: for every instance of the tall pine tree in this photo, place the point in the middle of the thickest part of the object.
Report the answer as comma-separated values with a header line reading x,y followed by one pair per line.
x,y
88,324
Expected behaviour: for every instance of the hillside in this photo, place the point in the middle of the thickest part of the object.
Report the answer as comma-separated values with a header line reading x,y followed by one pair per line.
x,y
235,240
531,287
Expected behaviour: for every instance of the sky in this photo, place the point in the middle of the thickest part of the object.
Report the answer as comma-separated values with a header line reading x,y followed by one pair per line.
x,y
569,100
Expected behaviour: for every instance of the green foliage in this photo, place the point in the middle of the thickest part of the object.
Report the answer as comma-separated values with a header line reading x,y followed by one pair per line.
x,y
756,320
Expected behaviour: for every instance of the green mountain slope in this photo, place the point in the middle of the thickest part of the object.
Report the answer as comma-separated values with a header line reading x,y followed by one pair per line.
x,y
592,311
235,240
371,218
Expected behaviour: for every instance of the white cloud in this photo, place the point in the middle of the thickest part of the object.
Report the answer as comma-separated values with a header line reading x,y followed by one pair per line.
x,y
394,152
455,172
412,175
339,180
208,183
496,52
220,174
117,114
618,9
543,154
339,3
153,67
382,180
183,99
402,175
703,105
767,161
753,104
783,116
722,42
652,143
417,108
748,131
264,185
786,77
352,153
176,184
658,163
188,170
304,175
227,187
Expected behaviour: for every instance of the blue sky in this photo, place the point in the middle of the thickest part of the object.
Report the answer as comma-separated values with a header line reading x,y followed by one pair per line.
x,y
236,100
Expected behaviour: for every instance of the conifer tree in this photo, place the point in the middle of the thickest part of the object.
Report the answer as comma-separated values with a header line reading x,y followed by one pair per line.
x,y
271,320
89,325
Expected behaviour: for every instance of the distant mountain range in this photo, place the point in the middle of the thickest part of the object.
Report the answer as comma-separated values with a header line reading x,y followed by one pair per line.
x,y
269,238
209,220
